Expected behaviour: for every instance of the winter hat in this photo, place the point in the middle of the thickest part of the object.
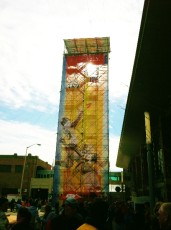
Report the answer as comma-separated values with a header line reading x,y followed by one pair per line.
x,y
72,202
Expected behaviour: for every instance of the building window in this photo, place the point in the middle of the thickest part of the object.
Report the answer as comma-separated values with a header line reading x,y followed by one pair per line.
x,y
18,168
5,168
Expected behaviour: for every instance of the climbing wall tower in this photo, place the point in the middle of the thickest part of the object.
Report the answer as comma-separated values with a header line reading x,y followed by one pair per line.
x,y
82,149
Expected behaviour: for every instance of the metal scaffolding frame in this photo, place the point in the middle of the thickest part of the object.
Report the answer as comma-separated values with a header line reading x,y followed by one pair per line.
x,y
82,148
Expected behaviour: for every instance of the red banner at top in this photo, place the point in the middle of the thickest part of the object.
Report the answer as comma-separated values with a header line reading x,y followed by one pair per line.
x,y
96,59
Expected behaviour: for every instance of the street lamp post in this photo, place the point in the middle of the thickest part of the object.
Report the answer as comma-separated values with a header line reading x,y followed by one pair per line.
x,y
24,165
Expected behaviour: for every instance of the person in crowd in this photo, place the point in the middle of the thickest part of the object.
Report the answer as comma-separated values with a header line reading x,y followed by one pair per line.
x,y
68,219
39,204
48,215
147,216
12,205
4,222
27,203
155,221
139,217
97,216
23,220
18,204
129,216
165,216
35,220
119,212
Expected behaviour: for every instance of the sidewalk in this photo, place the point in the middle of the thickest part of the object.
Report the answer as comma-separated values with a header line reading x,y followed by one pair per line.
x,y
12,216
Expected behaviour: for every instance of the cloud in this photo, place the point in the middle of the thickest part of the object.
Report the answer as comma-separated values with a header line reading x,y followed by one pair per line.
x,y
16,136
32,45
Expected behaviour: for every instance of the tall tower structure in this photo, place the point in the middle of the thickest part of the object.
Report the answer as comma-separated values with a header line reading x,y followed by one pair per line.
x,y
82,149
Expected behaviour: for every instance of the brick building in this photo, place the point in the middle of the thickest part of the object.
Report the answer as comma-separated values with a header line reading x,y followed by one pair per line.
x,y
11,168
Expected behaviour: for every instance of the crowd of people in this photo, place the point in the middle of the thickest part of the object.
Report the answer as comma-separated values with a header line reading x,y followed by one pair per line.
x,y
97,214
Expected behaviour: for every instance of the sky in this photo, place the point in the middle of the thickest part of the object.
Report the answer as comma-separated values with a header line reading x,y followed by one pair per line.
x,y
32,34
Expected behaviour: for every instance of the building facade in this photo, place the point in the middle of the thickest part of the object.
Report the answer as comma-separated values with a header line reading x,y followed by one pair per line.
x,y
11,169
145,144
